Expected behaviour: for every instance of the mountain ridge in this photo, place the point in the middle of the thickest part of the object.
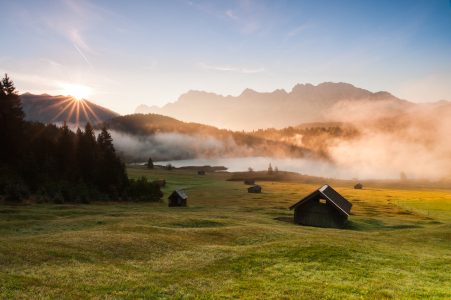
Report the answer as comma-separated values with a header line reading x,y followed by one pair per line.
x,y
304,103
46,109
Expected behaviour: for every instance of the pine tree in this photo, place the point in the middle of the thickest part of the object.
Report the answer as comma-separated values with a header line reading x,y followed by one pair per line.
x,y
270,169
11,122
150,163
65,148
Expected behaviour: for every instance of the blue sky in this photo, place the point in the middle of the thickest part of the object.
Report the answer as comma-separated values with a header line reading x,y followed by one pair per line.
x,y
150,52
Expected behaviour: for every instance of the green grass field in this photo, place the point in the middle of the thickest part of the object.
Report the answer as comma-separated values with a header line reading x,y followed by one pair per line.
x,y
227,244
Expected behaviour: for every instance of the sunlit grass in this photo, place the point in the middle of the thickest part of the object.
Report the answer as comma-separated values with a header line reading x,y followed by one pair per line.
x,y
226,244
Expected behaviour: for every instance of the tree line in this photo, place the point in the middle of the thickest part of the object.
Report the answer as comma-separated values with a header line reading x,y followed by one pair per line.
x,y
58,165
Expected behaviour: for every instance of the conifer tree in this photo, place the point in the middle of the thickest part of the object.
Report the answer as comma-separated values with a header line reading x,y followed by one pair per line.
x,y
11,121
150,163
65,151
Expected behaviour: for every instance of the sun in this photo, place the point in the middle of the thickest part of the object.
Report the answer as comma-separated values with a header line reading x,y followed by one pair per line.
x,y
77,91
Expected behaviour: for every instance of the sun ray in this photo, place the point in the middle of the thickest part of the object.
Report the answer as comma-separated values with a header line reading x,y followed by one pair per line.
x,y
53,105
71,111
93,113
60,113
83,106
78,113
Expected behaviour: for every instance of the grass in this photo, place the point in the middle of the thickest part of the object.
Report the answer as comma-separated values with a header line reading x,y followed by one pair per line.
x,y
227,244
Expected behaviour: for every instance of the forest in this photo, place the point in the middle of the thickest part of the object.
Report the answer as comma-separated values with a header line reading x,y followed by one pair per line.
x,y
60,166
194,140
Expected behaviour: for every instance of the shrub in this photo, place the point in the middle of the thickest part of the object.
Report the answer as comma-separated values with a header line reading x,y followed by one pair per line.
x,y
41,196
58,198
143,190
16,191
169,167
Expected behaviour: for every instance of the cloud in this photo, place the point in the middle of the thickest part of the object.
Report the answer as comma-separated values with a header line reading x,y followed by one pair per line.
x,y
230,14
297,30
53,63
233,69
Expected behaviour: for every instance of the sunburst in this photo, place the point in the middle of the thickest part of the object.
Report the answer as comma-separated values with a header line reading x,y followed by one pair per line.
x,y
75,90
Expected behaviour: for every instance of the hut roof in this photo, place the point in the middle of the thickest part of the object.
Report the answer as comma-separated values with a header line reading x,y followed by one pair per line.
x,y
181,194
256,187
358,186
330,194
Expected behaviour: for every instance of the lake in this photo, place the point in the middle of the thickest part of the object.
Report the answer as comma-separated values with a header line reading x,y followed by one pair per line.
x,y
302,166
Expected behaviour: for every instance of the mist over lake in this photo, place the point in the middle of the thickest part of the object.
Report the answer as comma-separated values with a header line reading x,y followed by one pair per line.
x,y
302,166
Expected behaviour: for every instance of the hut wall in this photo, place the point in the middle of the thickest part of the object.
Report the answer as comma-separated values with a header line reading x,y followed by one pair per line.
x,y
177,201
318,214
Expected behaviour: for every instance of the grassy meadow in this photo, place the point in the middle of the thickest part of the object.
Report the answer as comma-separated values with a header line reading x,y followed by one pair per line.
x,y
228,244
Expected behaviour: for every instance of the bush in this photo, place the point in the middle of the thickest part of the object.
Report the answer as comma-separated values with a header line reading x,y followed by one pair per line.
x,y
169,167
143,190
42,197
58,198
16,191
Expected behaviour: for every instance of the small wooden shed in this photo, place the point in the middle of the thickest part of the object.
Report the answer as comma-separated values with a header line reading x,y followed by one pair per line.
x,y
177,198
358,186
249,181
323,208
255,189
161,182
201,172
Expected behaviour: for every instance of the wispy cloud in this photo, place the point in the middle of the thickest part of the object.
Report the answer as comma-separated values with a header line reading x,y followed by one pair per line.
x,y
230,14
296,31
53,63
243,70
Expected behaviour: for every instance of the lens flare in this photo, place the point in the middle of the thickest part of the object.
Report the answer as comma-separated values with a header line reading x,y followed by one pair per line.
x,y
77,91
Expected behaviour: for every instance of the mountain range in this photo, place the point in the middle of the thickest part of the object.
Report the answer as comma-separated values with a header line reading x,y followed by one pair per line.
x,y
305,103
47,109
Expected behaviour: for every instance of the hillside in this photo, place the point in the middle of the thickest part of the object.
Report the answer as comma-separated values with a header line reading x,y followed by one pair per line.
x,y
139,136
46,109
305,103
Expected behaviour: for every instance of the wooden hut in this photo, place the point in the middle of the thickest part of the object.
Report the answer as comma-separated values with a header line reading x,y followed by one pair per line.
x,y
358,186
161,182
323,208
255,189
177,198
249,181
201,172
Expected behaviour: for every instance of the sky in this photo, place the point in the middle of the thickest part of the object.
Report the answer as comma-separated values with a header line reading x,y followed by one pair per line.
x,y
127,53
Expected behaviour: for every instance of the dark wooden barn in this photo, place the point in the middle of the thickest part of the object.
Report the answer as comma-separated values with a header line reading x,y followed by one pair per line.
x,y
255,189
201,172
358,186
178,198
161,182
249,181
323,208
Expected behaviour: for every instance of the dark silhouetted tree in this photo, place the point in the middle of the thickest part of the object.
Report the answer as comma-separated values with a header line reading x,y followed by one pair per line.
x,y
150,163
11,122
65,151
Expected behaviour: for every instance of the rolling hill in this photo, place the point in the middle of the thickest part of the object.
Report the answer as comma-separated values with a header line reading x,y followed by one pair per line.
x,y
51,109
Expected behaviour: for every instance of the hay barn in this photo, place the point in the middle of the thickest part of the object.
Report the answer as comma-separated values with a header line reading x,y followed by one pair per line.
x,y
358,186
200,172
161,182
323,208
255,189
249,181
177,198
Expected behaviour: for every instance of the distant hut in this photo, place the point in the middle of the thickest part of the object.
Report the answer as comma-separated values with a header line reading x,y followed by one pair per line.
x,y
249,181
358,186
161,182
255,189
201,172
323,208
177,198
